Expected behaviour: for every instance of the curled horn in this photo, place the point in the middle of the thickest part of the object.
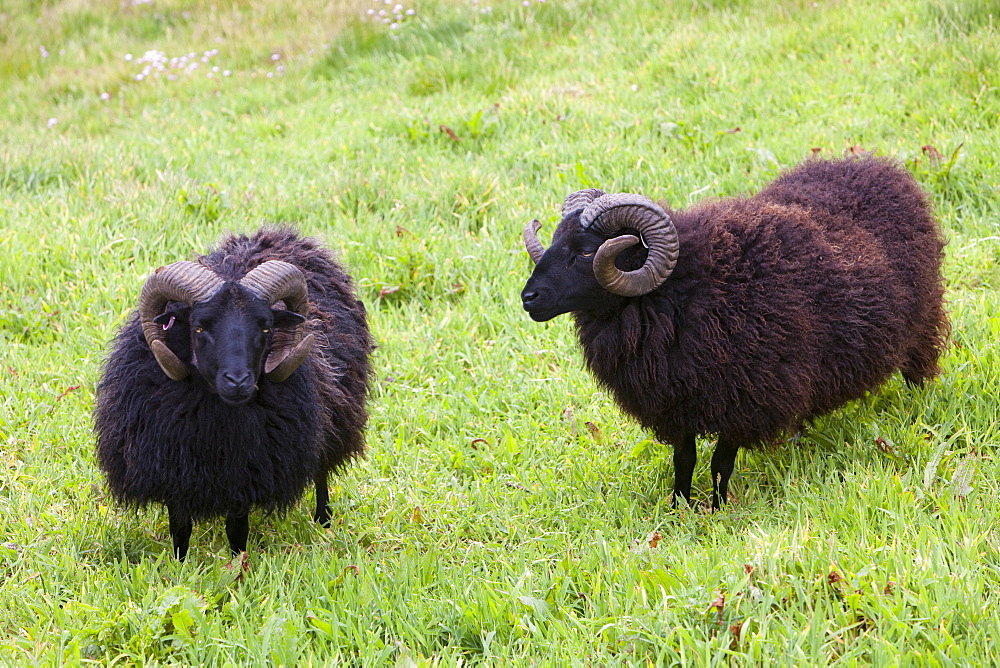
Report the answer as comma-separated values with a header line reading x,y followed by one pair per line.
x,y
575,201
185,282
610,213
275,281
531,242
579,200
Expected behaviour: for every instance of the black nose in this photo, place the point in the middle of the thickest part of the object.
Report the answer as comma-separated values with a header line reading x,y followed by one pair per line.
x,y
237,380
528,297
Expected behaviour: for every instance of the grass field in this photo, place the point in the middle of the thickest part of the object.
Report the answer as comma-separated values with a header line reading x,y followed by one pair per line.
x,y
507,511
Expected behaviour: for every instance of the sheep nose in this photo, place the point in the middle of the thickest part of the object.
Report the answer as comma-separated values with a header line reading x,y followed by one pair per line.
x,y
237,379
528,297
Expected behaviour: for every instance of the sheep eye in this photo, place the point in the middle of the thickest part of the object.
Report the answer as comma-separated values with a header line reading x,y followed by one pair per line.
x,y
266,330
199,330
587,254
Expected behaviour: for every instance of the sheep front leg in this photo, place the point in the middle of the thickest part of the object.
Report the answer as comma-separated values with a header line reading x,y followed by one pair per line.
x,y
723,463
237,530
685,458
180,532
322,515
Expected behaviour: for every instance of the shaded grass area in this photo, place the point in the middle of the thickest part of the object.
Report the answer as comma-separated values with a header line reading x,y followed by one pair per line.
x,y
507,509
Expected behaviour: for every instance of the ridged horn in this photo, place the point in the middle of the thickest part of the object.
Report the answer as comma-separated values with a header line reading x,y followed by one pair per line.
x,y
275,281
531,242
186,282
610,213
579,200
279,368
575,201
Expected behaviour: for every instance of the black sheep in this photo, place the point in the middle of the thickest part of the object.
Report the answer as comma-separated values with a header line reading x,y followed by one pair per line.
x,y
747,317
215,401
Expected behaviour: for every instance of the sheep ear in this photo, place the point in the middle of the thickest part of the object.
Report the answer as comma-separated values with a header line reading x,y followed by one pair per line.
x,y
286,319
180,315
172,345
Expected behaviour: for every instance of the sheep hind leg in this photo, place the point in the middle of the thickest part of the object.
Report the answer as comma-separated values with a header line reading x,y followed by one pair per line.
x,y
180,532
922,358
237,530
322,514
917,370
685,459
915,373
723,463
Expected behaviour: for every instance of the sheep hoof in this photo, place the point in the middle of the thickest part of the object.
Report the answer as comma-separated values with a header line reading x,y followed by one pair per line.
x,y
323,516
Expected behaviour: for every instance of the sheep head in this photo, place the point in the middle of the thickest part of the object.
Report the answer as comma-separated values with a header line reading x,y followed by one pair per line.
x,y
579,270
229,331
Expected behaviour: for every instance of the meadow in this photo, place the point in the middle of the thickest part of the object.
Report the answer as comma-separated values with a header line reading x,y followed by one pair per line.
x,y
507,511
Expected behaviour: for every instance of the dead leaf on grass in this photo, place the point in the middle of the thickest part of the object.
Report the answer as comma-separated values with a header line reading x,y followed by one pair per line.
x,y
719,604
74,388
240,564
935,156
387,290
595,431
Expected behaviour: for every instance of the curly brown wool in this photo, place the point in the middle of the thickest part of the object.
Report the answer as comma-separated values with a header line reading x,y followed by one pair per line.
x,y
782,307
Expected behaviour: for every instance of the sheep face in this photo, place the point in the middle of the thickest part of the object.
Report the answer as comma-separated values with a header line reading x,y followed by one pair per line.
x,y
227,338
606,248
563,280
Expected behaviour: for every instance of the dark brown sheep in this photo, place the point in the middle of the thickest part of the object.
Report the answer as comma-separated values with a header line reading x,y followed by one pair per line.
x,y
747,317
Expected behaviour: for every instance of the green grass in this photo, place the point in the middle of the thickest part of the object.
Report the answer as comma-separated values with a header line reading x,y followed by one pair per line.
x,y
507,510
